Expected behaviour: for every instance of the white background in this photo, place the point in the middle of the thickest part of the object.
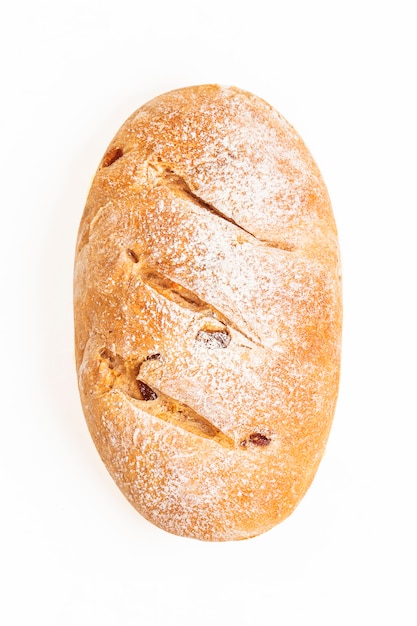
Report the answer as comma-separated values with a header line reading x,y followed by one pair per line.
x,y
74,551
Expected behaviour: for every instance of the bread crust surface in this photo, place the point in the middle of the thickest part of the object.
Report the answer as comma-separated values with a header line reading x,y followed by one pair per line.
x,y
208,313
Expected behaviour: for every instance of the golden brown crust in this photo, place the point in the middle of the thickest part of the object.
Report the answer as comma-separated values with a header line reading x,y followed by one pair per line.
x,y
208,313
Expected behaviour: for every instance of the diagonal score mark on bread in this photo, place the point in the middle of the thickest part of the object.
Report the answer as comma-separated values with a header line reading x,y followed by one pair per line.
x,y
124,376
175,292
167,176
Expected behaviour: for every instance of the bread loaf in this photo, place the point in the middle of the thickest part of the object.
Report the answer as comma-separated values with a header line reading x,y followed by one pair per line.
x,y
208,313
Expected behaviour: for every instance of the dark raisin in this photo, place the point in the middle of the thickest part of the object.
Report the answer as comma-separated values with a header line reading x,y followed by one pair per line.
x,y
132,255
111,156
259,440
146,392
213,339
152,357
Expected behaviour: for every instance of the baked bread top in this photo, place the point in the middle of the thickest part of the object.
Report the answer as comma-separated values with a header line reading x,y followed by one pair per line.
x,y
208,313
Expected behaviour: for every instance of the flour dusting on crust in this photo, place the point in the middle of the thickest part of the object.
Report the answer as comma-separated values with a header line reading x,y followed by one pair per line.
x,y
208,313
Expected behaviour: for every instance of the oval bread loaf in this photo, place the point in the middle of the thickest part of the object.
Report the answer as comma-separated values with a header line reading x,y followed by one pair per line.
x,y
208,313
